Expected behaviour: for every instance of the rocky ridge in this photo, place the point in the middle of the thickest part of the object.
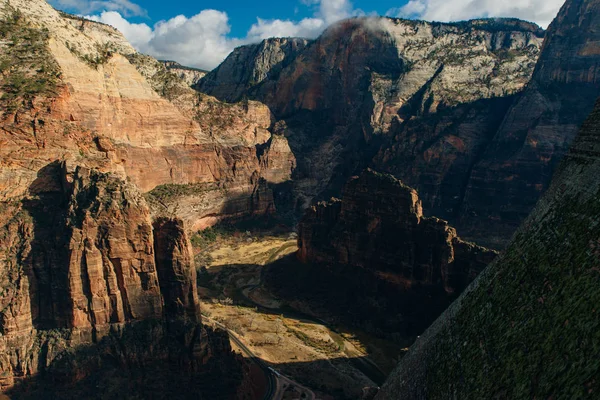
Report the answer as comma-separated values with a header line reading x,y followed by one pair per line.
x,y
126,113
421,100
247,67
190,76
374,249
98,143
379,225
537,131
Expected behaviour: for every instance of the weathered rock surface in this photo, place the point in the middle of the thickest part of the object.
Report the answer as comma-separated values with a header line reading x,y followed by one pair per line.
x,y
113,110
528,326
86,283
420,100
249,66
176,270
191,76
375,250
379,225
518,165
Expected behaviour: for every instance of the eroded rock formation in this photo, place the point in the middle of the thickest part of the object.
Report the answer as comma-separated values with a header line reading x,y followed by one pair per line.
x,y
105,107
191,76
176,270
420,100
376,250
379,225
84,272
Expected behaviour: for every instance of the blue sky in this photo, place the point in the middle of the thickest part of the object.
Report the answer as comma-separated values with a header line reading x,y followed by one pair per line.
x,y
243,13
202,33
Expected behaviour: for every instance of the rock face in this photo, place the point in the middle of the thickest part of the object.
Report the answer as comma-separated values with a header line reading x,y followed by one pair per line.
x,y
518,165
420,100
249,66
375,250
89,274
191,76
379,225
175,267
517,330
112,270
106,107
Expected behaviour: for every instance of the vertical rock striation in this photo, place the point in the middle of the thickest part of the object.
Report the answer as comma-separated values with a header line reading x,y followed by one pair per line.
x,y
176,271
88,280
379,225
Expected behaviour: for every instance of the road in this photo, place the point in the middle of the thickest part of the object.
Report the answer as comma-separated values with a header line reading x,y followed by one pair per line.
x,y
363,364
269,374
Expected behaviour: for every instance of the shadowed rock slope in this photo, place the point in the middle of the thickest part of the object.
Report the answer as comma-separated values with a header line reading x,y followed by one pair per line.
x,y
528,327
379,225
374,249
470,114
518,165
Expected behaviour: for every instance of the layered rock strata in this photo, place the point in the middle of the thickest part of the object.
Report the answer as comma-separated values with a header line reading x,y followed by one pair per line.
x,y
420,100
83,267
106,107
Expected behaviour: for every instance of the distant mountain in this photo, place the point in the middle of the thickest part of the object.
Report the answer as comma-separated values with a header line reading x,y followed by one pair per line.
x,y
421,100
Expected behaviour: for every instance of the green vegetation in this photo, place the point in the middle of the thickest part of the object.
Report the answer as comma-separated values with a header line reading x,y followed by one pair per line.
x,y
27,69
530,327
166,83
169,192
204,238
104,53
78,18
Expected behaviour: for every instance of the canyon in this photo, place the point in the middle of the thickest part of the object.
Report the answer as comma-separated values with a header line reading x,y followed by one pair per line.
x,y
359,191
516,332
474,115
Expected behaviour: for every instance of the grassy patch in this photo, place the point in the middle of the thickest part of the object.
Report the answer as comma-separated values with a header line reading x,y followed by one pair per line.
x,y
169,192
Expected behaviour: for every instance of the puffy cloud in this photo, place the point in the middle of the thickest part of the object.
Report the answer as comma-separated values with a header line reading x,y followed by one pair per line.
x,y
202,40
263,29
139,35
326,13
125,7
199,41
540,11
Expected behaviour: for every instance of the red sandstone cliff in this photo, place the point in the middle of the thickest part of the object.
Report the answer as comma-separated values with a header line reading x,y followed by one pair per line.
x,y
84,273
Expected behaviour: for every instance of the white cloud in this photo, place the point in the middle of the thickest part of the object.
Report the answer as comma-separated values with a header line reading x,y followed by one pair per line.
x,y
202,40
326,13
125,7
199,41
263,29
540,11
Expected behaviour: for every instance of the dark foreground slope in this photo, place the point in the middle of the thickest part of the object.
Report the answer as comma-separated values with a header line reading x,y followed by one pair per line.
x,y
528,327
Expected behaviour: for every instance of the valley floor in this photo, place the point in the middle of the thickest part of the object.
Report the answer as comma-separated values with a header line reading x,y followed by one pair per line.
x,y
311,358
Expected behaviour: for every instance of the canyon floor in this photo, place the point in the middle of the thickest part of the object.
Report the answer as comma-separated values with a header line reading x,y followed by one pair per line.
x,y
313,359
